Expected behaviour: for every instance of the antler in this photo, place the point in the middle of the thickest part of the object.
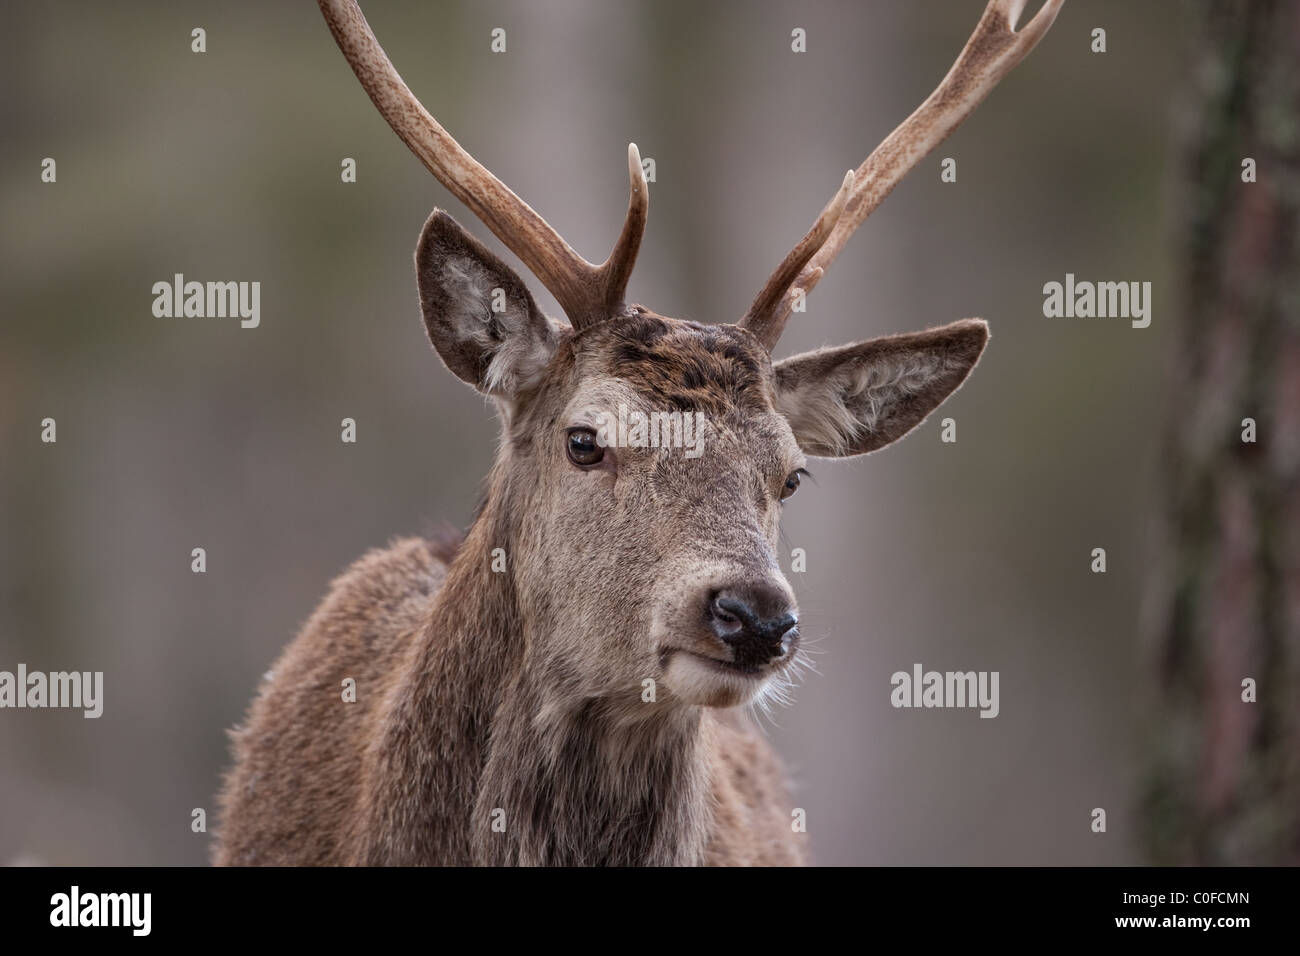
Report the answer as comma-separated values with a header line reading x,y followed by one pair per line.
x,y
994,49
586,292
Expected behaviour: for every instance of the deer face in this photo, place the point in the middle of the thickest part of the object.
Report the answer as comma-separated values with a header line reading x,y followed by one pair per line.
x,y
638,562
647,464
665,466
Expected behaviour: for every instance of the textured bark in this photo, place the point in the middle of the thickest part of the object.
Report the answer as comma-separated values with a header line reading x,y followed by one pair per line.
x,y
1224,778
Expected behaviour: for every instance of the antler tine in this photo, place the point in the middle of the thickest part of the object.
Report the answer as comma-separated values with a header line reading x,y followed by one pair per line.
x,y
617,269
993,50
586,292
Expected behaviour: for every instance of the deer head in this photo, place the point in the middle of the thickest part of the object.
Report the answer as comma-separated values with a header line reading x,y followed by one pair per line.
x,y
635,561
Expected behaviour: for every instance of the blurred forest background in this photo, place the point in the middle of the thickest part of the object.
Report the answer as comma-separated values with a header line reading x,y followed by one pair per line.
x,y
183,433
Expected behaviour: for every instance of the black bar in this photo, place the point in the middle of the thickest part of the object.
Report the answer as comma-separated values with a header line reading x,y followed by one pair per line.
x,y
960,904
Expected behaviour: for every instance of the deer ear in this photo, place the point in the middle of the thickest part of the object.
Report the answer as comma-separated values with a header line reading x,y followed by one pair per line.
x,y
480,316
857,398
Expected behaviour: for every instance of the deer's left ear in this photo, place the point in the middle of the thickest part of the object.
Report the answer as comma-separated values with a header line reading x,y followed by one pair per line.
x,y
857,398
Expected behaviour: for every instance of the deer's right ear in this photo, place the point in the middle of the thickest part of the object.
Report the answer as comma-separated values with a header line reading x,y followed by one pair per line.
x,y
480,316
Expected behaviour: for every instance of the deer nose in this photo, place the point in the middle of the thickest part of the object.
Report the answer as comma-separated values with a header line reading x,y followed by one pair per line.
x,y
757,622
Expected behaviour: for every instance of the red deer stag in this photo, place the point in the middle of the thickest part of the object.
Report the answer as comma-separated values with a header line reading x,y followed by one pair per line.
x,y
583,705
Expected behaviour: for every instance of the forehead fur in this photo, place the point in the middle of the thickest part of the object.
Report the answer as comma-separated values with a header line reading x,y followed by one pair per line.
x,y
680,365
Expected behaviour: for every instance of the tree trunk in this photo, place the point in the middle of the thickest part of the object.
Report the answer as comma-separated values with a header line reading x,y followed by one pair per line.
x,y
1224,776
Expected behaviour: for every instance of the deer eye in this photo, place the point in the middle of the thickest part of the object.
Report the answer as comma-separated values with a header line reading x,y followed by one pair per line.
x,y
791,484
584,450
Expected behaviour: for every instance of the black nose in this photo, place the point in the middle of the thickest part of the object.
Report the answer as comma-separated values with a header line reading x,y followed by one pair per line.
x,y
757,622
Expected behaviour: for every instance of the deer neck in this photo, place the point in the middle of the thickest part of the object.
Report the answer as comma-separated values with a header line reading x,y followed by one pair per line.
x,y
579,783
539,776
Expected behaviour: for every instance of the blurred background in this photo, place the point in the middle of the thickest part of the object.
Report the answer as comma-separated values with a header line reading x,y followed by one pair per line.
x,y
183,433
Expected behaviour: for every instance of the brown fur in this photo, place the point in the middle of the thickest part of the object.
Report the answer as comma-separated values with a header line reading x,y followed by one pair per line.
x,y
581,705
501,716
295,793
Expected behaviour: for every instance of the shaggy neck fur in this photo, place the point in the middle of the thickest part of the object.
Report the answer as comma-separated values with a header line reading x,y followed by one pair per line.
x,y
582,786
481,760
